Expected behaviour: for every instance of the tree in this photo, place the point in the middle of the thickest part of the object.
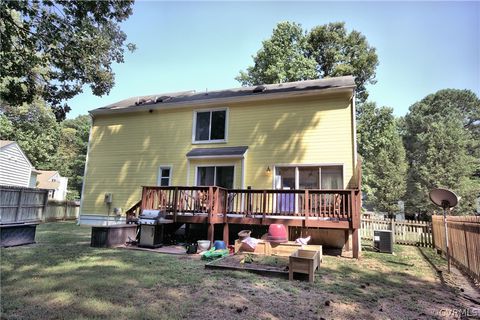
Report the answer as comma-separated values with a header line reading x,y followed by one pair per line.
x,y
282,58
72,151
384,163
50,49
442,142
291,54
49,145
34,128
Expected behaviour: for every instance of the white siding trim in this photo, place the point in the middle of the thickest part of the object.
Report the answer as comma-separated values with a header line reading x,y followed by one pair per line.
x,y
354,128
86,165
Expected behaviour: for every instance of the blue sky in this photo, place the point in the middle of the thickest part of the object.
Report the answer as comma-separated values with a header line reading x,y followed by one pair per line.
x,y
422,46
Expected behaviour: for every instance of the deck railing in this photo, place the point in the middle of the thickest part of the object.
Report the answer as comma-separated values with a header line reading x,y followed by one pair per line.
x,y
249,203
191,200
320,203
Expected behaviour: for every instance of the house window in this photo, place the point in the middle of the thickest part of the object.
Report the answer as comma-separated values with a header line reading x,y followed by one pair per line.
x,y
164,176
221,176
309,177
210,126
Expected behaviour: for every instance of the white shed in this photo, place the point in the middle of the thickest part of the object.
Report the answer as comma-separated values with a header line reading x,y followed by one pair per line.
x,y
15,168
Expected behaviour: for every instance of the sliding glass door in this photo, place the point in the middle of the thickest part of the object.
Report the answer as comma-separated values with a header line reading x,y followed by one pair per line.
x,y
221,176
309,177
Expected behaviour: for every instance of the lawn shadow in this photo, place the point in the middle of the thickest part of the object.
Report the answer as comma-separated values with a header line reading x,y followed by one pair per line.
x,y
55,279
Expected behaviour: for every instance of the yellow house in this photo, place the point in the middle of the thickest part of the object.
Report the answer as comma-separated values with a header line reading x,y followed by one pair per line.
x,y
291,136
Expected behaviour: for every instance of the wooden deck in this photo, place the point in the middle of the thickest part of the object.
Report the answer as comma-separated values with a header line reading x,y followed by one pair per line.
x,y
211,205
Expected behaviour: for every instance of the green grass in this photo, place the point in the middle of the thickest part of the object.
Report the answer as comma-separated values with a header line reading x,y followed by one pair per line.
x,y
63,277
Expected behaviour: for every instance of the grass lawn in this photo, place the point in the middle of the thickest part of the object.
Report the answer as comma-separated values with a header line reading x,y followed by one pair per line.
x,y
63,277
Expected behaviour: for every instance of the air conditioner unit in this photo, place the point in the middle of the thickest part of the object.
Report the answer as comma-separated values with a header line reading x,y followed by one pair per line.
x,y
383,240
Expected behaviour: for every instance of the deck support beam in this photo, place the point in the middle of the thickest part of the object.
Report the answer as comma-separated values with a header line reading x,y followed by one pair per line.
x,y
355,244
210,233
347,240
225,233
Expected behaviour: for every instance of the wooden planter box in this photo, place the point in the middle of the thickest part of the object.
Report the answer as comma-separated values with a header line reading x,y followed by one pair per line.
x,y
304,261
114,235
285,249
263,247
17,234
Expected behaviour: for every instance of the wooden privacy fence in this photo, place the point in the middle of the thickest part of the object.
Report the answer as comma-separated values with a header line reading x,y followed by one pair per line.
x,y
20,204
410,232
61,210
463,241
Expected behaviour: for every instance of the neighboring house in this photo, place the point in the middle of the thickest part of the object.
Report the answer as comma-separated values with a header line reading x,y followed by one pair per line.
x,y
56,184
291,136
15,168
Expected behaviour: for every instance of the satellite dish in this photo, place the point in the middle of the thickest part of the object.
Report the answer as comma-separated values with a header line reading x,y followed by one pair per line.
x,y
443,198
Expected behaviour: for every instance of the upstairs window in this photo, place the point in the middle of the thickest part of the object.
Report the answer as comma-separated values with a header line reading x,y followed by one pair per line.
x,y
210,126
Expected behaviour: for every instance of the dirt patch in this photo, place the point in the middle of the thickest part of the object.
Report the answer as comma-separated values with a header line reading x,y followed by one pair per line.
x,y
254,263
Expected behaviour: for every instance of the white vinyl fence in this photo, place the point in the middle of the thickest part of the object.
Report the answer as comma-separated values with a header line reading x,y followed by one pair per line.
x,y
411,232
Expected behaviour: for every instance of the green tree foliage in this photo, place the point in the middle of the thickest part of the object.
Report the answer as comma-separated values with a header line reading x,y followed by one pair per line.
x,y
49,145
282,58
71,153
34,128
50,49
384,163
442,139
291,54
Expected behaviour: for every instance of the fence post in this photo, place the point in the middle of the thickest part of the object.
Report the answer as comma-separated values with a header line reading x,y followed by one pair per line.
x,y
19,207
466,245
433,236
392,227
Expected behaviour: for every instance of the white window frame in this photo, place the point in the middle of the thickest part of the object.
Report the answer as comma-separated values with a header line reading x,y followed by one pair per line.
x,y
194,127
215,171
159,176
297,175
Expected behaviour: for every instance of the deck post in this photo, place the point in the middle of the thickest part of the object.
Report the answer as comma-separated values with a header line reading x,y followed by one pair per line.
x,y
307,207
264,205
144,199
210,233
355,244
175,204
347,240
225,233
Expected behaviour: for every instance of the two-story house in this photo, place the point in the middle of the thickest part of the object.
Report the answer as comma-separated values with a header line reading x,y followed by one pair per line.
x,y
15,167
54,183
281,153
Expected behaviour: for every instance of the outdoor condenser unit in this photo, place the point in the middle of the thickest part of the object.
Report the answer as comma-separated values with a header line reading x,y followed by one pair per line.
x,y
383,240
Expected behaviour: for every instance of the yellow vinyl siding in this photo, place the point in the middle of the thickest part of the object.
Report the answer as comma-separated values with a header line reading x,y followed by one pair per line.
x,y
127,149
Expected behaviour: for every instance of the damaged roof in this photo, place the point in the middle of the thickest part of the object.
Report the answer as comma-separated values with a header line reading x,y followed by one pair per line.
x,y
253,92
